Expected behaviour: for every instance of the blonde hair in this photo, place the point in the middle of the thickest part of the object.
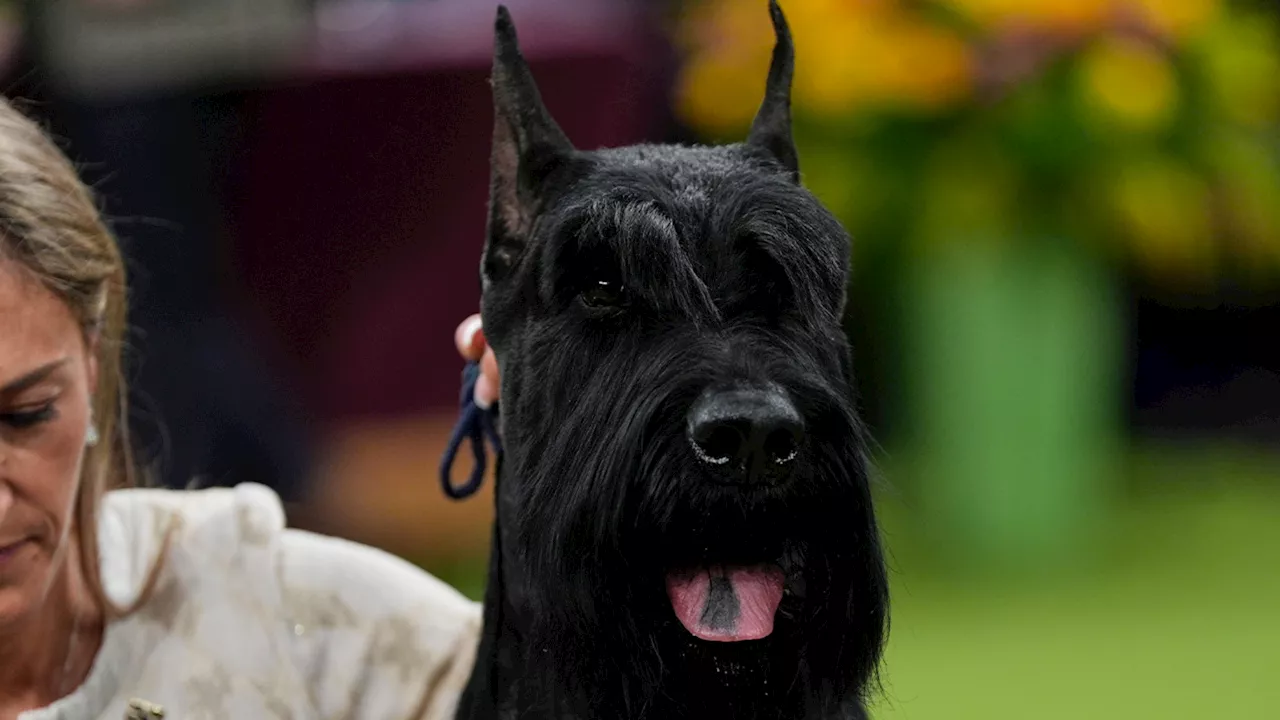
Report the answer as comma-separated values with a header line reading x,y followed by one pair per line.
x,y
51,227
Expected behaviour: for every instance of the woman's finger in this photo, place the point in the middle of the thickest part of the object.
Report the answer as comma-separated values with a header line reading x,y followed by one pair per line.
x,y
469,338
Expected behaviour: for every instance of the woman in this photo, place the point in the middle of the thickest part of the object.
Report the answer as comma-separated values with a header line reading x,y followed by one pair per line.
x,y
119,602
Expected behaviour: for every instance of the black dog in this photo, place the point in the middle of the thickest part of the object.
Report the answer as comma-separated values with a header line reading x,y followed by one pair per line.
x,y
684,523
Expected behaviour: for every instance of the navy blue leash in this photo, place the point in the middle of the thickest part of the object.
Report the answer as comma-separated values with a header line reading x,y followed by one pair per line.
x,y
474,423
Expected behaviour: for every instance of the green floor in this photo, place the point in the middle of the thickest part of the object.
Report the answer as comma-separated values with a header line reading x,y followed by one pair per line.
x,y
1180,619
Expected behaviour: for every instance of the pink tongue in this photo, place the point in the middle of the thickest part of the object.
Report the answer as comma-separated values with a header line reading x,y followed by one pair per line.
x,y
727,604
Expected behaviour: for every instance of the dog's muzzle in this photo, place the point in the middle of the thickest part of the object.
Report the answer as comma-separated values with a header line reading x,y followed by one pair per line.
x,y
749,434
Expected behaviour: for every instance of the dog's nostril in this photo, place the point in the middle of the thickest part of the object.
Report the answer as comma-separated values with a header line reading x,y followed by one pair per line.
x,y
781,446
720,442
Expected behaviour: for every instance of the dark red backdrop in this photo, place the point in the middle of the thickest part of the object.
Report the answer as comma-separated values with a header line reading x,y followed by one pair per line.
x,y
359,205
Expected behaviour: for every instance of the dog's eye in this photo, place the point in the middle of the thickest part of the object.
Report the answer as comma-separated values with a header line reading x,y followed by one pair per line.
x,y
603,294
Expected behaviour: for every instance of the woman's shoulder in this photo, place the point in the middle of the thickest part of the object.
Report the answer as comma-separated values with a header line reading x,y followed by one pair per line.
x,y
377,635
371,634
235,530
215,529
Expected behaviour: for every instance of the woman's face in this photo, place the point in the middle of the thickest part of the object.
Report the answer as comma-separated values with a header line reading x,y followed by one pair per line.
x,y
47,375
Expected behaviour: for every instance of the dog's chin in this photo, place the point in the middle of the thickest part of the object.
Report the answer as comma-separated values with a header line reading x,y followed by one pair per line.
x,y
736,602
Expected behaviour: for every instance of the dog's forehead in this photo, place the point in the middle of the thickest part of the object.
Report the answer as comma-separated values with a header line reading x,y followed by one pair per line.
x,y
703,216
684,174
699,193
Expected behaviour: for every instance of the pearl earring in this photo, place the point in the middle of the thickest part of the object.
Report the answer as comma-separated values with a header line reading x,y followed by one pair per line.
x,y
91,438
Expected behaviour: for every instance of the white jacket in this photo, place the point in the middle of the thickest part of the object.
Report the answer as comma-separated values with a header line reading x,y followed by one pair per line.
x,y
253,620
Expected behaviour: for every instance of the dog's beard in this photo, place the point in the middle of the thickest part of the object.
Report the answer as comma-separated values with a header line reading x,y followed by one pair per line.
x,y
627,558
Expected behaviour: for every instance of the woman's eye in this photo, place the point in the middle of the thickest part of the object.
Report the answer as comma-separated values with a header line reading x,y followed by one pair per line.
x,y
27,418
603,294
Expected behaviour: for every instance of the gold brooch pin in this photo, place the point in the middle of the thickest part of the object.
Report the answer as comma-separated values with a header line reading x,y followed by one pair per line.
x,y
143,710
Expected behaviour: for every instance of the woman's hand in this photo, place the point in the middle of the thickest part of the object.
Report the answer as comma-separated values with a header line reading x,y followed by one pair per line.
x,y
469,337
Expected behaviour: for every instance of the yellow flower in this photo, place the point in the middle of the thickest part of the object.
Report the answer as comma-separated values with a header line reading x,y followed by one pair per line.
x,y
926,66
720,96
1129,83
836,64
850,54
1164,210
841,53
1177,19
881,58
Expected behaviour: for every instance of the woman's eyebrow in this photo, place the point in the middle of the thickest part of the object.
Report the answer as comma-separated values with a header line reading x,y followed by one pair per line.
x,y
32,378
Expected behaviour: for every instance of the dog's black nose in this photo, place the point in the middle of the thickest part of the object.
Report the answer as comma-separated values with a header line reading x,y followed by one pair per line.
x,y
753,434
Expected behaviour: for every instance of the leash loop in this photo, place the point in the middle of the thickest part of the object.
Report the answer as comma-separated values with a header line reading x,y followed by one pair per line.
x,y
477,425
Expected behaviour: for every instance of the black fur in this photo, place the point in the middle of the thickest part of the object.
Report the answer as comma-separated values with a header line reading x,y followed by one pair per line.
x,y
729,271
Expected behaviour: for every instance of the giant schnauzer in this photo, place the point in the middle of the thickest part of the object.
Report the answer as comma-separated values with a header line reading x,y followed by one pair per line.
x,y
684,521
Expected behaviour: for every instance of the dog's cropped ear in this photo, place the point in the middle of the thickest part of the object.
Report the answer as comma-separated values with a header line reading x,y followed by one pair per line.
x,y
527,146
771,130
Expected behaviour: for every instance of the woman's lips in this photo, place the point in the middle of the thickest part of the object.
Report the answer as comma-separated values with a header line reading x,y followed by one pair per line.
x,y
11,548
